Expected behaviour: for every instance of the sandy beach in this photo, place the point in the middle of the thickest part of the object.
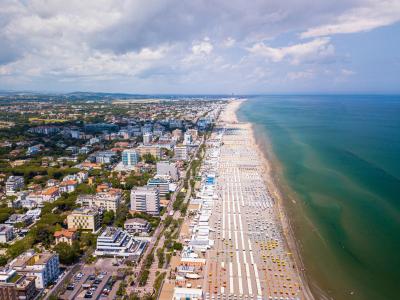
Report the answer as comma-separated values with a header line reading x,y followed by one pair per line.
x,y
230,116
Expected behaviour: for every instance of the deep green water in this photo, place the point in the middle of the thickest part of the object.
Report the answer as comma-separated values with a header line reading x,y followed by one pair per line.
x,y
339,159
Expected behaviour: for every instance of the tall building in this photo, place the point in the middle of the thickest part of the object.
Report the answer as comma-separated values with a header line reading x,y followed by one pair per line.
x,y
166,168
194,133
130,157
15,286
44,266
161,184
145,199
181,153
85,219
187,139
147,137
13,184
177,134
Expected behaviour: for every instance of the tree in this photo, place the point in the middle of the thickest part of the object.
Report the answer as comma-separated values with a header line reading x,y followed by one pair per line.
x,y
68,254
108,217
3,260
149,159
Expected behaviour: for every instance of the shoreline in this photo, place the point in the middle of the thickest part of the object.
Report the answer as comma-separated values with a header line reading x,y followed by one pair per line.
x,y
282,219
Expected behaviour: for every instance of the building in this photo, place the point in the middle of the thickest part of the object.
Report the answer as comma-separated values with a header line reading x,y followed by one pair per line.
x,y
26,220
107,200
137,225
32,150
105,157
65,236
116,242
154,150
145,199
15,286
85,219
147,137
161,184
181,153
130,157
68,186
13,184
6,233
177,134
50,194
194,133
34,214
166,168
187,293
45,267
187,139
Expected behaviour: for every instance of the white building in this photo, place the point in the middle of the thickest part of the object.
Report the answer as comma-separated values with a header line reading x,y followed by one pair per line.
x,y
181,153
187,139
130,157
116,242
145,199
108,200
161,184
166,168
147,138
137,225
6,233
13,184
44,266
187,293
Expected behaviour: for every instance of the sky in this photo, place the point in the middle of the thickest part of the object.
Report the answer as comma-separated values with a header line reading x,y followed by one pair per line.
x,y
200,47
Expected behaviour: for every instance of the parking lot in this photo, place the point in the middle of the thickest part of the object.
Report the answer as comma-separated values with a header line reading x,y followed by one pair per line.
x,y
96,281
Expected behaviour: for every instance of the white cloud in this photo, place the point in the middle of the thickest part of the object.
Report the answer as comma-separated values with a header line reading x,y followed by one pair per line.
x,y
372,15
347,72
149,43
228,42
300,75
314,50
202,48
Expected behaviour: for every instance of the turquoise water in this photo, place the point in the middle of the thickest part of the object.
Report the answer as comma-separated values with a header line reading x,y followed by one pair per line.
x,y
339,160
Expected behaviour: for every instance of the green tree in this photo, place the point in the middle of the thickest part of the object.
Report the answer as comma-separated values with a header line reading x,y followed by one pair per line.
x,y
68,254
3,260
108,217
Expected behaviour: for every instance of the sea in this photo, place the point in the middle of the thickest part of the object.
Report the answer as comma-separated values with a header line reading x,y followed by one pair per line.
x,y
336,160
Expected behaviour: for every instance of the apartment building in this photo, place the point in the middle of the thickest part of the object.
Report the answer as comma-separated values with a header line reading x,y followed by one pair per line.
x,y
15,286
13,184
137,225
6,233
130,157
154,150
161,184
145,199
107,200
181,153
45,267
85,219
